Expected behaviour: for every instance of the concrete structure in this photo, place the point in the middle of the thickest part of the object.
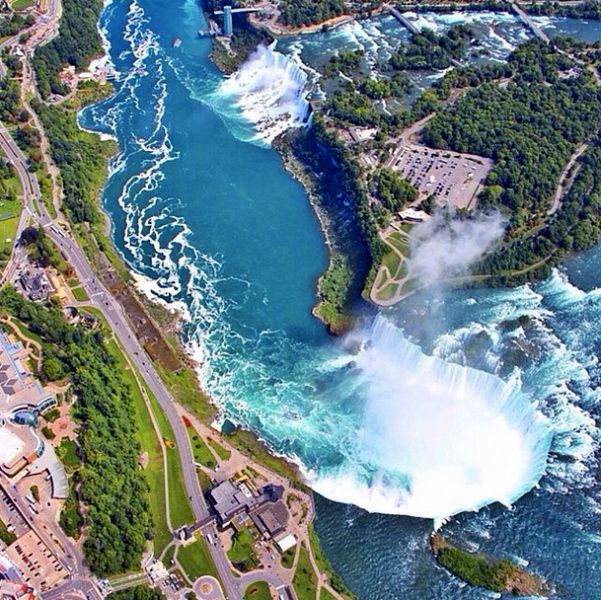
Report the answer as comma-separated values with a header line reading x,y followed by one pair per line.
x,y
36,285
18,387
285,542
228,25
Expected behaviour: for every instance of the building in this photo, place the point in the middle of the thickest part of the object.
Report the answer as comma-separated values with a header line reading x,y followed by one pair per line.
x,y
22,399
285,542
235,504
12,583
36,285
18,387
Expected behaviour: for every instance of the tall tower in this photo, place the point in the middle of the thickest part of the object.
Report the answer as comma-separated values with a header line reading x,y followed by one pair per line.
x,y
228,27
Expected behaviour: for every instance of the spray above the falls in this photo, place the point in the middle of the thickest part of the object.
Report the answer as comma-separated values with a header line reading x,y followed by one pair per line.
x,y
436,438
269,92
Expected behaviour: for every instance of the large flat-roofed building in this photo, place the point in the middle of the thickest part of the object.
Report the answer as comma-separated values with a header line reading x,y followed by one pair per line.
x,y
232,501
39,566
18,387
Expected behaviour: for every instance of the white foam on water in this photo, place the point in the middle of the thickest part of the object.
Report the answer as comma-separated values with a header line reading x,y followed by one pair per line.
x,y
268,91
436,438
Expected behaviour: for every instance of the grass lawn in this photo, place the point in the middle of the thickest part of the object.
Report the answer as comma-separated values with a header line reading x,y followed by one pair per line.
x,y
391,261
325,595
242,553
22,4
149,443
169,555
196,560
8,228
205,481
80,294
67,452
26,332
200,450
305,579
180,511
288,558
222,453
388,292
398,242
257,591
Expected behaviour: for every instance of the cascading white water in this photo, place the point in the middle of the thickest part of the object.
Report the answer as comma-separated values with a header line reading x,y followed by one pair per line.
x,y
436,438
269,91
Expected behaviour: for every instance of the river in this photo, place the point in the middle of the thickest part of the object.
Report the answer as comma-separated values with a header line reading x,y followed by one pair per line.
x,y
212,225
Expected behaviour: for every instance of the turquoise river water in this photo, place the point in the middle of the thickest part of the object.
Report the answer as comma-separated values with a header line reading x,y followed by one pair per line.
x,y
482,405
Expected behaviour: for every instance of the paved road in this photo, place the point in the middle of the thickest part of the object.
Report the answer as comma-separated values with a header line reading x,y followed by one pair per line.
x,y
106,303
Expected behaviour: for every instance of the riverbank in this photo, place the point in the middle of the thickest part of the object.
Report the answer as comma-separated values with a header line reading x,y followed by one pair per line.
x,y
500,576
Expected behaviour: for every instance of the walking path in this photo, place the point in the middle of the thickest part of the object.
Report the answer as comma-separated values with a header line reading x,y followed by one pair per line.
x,y
564,175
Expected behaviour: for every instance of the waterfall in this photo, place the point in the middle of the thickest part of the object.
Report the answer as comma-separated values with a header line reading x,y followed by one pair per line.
x,y
269,91
436,438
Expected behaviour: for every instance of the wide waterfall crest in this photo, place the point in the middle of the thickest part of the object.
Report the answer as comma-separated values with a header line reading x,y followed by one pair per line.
x,y
269,92
437,438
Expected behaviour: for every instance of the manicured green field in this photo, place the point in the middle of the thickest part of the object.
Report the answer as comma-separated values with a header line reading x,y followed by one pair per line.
x,y
67,452
180,511
305,579
80,294
287,559
195,560
257,591
8,228
242,553
22,4
200,450
222,453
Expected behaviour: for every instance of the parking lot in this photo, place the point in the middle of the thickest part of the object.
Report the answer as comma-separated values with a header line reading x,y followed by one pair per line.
x,y
452,178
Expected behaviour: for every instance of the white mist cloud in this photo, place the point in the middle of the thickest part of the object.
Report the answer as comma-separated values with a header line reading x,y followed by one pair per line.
x,y
446,246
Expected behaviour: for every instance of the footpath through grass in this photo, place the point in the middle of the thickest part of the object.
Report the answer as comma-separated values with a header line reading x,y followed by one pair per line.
x,y
196,560
150,444
305,579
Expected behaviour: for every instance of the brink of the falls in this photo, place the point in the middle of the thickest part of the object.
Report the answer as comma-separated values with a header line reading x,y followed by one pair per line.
x,y
436,438
269,92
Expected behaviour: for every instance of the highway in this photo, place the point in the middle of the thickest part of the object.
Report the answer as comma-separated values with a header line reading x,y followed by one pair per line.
x,y
35,212
101,298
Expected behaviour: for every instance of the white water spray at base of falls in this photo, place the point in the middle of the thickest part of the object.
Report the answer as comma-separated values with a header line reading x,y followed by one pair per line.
x,y
269,92
436,438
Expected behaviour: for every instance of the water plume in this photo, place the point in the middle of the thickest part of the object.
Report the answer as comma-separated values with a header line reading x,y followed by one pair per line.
x,y
446,245
436,438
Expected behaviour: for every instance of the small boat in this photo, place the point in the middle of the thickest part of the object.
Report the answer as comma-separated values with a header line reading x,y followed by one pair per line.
x,y
176,43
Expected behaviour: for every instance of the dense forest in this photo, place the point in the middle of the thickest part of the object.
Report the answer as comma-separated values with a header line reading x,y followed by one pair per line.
x,y
394,191
140,592
587,10
81,158
530,127
12,25
76,45
112,487
309,12
428,50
